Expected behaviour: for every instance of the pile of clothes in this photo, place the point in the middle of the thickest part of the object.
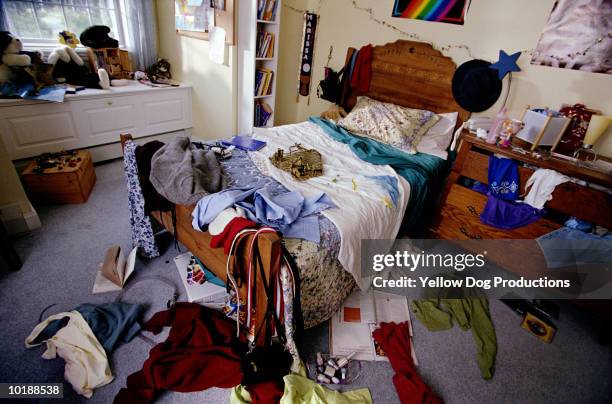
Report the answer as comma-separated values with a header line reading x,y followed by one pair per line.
x,y
504,210
83,337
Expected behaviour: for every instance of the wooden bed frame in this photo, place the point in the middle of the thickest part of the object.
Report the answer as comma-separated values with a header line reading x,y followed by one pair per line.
x,y
406,73
410,74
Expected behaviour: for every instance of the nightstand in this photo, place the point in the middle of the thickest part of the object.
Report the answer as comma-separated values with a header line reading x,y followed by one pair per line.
x,y
458,216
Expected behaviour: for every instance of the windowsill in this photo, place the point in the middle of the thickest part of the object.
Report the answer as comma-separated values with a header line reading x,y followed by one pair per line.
x,y
48,47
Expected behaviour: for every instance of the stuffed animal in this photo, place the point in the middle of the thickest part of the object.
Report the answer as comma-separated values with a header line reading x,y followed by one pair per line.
x,y
97,37
70,68
159,70
68,38
10,52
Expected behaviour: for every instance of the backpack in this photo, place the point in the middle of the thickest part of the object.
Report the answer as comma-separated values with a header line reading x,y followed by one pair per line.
x,y
330,87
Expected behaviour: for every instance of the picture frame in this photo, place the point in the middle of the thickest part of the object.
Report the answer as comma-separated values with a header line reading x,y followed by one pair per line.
x,y
223,17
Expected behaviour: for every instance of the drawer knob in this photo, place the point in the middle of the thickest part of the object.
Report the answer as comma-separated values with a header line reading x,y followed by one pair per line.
x,y
109,103
468,235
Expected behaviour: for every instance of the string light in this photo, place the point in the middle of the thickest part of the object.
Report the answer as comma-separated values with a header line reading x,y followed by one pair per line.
x,y
406,34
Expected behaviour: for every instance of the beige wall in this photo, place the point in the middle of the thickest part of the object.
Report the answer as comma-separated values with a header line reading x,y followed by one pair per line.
x,y
491,25
11,190
214,85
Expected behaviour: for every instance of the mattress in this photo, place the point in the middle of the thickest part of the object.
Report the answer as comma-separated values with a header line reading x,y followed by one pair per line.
x,y
324,284
353,181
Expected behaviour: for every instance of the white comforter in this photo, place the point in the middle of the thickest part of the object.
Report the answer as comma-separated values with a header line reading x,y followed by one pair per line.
x,y
361,212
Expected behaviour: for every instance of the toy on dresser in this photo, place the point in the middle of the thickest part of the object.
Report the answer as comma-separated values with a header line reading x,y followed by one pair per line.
x,y
22,67
508,128
104,53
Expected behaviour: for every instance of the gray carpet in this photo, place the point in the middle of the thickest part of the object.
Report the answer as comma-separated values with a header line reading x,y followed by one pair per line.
x,y
60,262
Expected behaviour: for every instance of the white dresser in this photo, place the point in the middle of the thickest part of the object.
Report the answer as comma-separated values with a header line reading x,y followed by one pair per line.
x,y
93,119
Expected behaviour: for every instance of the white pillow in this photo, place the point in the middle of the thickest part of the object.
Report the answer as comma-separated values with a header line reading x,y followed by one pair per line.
x,y
436,140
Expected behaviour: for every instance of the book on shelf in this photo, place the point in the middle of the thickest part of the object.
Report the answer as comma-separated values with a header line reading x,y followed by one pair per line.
x,y
263,81
263,112
265,44
266,10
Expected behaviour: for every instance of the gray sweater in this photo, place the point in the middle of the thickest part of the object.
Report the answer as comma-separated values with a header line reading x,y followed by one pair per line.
x,y
184,174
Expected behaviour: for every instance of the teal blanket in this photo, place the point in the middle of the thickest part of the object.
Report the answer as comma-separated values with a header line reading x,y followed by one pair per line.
x,y
423,172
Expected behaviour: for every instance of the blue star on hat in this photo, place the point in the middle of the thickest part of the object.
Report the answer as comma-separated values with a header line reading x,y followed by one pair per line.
x,y
506,64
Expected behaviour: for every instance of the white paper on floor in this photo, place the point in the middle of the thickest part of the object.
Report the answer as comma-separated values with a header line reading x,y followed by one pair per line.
x,y
350,329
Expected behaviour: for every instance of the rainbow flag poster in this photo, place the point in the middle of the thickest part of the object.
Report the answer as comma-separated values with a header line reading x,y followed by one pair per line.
x,y
449,11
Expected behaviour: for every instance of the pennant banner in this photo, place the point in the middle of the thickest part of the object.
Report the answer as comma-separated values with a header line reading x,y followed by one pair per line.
x,y
310,27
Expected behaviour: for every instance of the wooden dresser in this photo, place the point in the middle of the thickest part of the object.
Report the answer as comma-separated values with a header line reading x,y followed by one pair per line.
x,y
460,207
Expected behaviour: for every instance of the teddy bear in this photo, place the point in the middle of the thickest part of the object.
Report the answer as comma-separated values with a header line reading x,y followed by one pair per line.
x,y
11,53
70,68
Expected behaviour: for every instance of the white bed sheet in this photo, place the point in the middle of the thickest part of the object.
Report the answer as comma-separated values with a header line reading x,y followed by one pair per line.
x,y
360,212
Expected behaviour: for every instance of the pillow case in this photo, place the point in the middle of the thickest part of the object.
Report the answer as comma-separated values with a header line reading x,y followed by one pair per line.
x,y
439,136
389,123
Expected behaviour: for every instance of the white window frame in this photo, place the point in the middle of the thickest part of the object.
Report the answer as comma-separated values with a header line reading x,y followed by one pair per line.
x,y
38,43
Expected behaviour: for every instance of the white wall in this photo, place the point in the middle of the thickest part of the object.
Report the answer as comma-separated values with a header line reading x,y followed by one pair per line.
x,y
491,25
12,192
214,85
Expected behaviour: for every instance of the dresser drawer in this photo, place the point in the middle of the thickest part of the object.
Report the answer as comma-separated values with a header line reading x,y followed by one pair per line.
x,y
460,219
29,130
100,120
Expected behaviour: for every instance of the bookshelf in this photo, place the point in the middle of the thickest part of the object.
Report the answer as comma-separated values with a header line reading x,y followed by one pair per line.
x,y
258,39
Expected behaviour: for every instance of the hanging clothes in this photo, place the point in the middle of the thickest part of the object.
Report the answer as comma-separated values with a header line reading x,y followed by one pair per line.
x,y
87,366
543,182
470,312
503,178
153,200
230,231
508,215
394,339
362,71
184,174
142,232
287,285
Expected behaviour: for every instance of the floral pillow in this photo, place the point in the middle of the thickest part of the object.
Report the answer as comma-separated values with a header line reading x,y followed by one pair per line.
x,y
389,123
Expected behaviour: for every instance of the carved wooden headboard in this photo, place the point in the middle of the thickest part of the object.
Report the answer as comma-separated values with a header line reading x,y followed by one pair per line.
x,y
410,74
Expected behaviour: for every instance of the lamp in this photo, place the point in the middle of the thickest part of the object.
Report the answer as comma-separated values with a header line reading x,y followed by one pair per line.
x,y
597,127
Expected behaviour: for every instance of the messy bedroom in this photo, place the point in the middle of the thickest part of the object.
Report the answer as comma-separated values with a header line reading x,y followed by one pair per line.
x,y
306,201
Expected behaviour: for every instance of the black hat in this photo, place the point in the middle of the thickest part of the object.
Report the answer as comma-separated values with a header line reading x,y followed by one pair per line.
x,y
97,37
476,87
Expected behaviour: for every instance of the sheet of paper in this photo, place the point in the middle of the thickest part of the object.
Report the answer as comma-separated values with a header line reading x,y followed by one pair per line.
x,y
103,285
114,265
359,308
391,308
130,263
216,43
346,338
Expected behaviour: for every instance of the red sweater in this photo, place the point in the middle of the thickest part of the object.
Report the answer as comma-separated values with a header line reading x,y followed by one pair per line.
x,y
362,72
201,351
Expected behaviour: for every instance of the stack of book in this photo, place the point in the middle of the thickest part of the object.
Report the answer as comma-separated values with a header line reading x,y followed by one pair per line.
x,y
266,9
263,81
262,113
265,44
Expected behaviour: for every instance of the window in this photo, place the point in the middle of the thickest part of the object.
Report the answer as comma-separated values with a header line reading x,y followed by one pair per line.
x,y
40,21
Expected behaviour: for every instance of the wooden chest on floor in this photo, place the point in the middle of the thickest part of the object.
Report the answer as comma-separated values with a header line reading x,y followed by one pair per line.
x,y
61,185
